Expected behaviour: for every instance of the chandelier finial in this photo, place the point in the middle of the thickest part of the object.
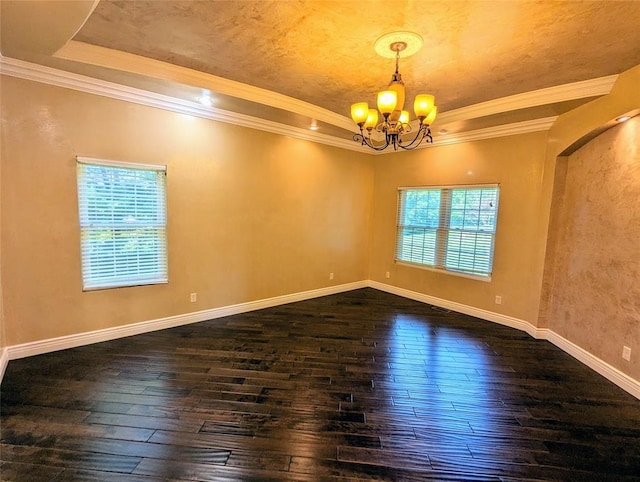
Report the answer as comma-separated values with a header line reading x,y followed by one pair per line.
x,y
398,47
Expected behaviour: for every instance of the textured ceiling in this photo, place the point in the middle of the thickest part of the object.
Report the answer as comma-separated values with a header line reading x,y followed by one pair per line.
x,y
322,51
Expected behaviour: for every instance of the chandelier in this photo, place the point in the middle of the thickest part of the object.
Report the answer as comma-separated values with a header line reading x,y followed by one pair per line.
x,y
396,127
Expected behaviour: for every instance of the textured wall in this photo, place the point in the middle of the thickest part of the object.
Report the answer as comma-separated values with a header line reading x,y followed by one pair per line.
x,y
594,299
251,215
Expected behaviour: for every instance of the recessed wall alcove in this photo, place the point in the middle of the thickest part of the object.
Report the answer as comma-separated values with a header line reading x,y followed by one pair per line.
x,y
591,292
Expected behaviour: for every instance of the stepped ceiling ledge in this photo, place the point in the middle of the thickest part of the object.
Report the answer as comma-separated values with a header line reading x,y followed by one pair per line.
x,y
496,68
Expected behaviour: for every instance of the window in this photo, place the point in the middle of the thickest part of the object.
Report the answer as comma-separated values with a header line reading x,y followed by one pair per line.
x,y
448,228
122,223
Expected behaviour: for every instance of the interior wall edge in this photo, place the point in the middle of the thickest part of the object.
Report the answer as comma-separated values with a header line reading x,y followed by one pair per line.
x,y
548,272
4,360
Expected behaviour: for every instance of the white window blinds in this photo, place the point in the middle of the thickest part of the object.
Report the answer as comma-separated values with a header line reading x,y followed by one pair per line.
x,y
448,228
122,208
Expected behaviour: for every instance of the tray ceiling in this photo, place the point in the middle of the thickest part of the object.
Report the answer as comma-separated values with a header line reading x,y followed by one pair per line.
x,y
290,61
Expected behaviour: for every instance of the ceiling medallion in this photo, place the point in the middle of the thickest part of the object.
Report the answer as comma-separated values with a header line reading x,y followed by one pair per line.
x,y
396,126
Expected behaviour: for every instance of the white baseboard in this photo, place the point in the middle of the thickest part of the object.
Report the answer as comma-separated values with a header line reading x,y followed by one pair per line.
x,y
611,373
4,360
624,381
614,375
71,341
458,307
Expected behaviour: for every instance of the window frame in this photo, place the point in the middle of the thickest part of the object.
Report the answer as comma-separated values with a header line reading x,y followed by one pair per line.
x,y
443,229
159,273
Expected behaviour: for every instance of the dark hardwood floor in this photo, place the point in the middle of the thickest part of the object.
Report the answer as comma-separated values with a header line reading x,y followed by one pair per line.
x,y
356,386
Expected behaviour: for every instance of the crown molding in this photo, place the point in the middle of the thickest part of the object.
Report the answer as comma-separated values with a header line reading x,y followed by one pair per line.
x,y
550,95
51,76
137,64
503,130
47,75
524,127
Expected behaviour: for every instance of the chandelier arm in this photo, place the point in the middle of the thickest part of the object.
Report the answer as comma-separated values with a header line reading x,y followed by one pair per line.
x,y
362,139
413,144
393,139
415,141
423,133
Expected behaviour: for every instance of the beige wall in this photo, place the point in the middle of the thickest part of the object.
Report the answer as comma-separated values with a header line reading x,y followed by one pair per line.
x,y
594,251
251,215
252,220
516,163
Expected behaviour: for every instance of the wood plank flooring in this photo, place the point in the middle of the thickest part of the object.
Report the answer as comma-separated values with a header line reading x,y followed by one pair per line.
x,y
356,386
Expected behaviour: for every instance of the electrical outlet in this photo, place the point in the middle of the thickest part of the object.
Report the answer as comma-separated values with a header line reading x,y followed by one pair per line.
x,y
387,275
194,297
498,300
626,353
330,275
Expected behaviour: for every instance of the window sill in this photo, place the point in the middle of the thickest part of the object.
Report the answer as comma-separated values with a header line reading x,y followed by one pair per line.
x,y
486,279
130,284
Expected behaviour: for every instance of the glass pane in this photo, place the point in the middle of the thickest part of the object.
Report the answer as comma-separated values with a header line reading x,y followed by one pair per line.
x,y
469,252
421,208
472,222
417,245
